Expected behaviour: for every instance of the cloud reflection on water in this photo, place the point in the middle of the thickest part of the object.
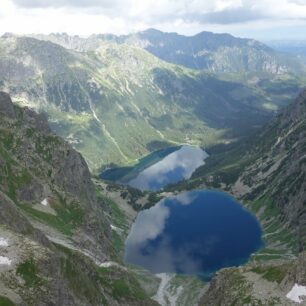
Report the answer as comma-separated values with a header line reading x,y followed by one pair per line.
x,y
185,198
176,166
147,227
195,232
151,221
149,246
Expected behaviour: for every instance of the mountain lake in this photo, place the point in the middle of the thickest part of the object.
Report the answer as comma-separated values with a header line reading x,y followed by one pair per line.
x,y
193,233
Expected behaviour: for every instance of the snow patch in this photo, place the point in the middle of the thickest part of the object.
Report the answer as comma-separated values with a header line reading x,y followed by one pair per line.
x,y
117,229
108,264
160,134
120,107
5,261
127,86
44,202
278,141
173,298
136,107
95,115
296,293
3,242
107,133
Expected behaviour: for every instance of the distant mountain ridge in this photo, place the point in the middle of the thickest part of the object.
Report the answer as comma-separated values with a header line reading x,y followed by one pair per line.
x,y
218,53
210,51
295,47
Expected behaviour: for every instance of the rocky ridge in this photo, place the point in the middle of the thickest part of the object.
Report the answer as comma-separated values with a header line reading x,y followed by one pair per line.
x,y
54,230
257,284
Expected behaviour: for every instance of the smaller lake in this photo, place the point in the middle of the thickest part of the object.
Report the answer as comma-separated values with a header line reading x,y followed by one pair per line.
x,y
195,233
175,164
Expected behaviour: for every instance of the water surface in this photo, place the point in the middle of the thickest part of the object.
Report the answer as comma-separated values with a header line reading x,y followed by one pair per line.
x,y
124,174
175,167
196,232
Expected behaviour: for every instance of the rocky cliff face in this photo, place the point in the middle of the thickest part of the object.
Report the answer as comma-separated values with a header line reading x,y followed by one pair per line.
x,y
278,174
53,229
37,166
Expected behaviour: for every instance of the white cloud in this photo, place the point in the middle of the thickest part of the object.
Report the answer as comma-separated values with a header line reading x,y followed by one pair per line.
x,y
185,198
65,3
85,17
174,9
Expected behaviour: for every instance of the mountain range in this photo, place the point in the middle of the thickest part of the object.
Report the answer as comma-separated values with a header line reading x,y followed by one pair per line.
x,y
114,99
218,53
116,102
295,47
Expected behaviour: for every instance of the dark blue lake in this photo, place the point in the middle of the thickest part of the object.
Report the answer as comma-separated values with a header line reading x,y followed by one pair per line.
x,y
159,169
196,232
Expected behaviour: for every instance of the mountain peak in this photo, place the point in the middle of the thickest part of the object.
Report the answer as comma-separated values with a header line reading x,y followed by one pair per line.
x,y
152,31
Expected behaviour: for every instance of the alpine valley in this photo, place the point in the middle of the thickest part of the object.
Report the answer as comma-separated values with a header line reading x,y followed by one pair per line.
x,y
115,102
72,108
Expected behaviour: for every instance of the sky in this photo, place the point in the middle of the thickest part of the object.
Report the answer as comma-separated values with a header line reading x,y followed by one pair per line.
x,y
259,19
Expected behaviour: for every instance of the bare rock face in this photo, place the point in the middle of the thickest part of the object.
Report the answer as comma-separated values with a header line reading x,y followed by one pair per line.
x,y
38,121
10,217
297,272
31,192
73,175
281,150
6,105
37,165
